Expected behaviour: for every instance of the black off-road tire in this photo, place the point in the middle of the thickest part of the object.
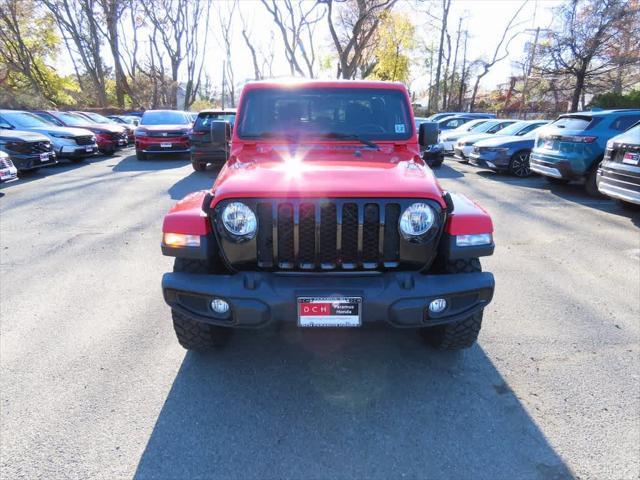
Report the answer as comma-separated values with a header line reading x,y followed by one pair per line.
x,y
461,334
141,156
193,335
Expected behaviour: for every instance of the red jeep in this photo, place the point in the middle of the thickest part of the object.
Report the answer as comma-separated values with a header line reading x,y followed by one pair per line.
x,y
325,215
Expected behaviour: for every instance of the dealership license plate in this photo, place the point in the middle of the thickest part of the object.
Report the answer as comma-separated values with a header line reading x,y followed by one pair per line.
x,y
44,157
89,149
631,158
165,145
329,311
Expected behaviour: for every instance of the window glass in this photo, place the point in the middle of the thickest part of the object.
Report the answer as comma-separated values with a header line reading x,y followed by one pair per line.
x,y
380,114
624,122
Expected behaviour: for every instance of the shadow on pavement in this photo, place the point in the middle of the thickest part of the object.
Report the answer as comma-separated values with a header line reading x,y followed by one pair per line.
x,y
445,171
343,404
155,162
193,182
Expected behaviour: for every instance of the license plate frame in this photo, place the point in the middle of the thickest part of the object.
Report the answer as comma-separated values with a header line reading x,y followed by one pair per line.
x,y
166,145
88,149
631,158
329,311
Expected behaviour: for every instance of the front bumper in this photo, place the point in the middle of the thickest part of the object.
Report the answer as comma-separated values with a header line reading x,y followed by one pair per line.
x,y
619,181
163,145
493,160
8,174
462,153
77,151
31,161
260,298
203,154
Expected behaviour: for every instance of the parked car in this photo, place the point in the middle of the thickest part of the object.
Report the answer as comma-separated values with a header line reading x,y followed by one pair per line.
x,y
507,153
573,146
125,119
8,171
448,139
163,131
451,123
74,144
28,150
464,145
102,120
619,173
110,138
204,148
441,116
323,219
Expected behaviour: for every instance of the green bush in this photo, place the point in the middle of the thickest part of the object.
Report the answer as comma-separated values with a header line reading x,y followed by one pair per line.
x,y
617,100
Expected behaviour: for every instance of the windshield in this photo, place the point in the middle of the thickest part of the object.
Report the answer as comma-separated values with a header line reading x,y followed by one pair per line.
x,y
164,118
379,114
485,127
472,126
25,120
514,128
96,117
72,119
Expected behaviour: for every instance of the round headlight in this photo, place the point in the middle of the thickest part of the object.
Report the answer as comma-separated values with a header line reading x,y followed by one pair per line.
x,y
416,220
239,220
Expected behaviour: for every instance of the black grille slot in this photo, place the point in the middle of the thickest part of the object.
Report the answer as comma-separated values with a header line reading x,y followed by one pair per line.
x,y
371,235
286,257
391,251
307,236
328,227
265,235
349,235
84,140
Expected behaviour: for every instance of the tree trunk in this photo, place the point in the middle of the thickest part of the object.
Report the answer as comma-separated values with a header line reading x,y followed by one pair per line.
x,y
579,87
443,29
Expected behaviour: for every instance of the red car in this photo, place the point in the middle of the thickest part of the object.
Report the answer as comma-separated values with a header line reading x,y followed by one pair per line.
x,y
110,138
325,216
163,131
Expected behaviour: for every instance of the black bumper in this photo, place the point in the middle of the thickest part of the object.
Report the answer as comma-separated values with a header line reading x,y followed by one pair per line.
x,y
258,299
25,162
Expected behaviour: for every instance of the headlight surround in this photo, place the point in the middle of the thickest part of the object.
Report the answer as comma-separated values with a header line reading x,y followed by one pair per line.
x,y
416,220
239,220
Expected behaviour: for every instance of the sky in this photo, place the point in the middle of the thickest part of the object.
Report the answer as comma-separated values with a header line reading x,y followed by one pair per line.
x,y
484,19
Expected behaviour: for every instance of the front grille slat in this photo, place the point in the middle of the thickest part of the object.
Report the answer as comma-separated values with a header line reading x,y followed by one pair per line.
x,y
327,234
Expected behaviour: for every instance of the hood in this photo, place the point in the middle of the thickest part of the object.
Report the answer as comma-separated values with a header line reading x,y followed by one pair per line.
x,y
328,173
102,128
71,131
165,128
476,137
505,141
23,135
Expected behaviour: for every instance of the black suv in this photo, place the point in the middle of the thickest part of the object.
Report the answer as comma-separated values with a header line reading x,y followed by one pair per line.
x,y
203,149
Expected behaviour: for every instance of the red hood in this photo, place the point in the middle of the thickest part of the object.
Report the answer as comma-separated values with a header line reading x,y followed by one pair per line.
x,y
327,172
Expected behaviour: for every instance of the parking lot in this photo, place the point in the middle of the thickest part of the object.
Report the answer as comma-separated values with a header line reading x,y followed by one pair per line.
x,y
94,384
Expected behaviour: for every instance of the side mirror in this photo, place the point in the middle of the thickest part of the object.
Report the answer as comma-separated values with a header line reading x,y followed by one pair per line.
x,y
428,134
220,132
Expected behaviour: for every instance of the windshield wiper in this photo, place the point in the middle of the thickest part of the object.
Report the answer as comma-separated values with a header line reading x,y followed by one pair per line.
x,y
348,136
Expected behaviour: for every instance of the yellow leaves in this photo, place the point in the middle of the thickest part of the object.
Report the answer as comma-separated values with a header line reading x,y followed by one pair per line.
x,y
396,39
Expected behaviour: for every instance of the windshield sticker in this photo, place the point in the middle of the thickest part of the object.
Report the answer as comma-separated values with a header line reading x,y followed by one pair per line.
x,y
399,128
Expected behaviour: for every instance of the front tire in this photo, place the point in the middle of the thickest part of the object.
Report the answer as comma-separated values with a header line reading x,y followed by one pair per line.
x,y
519,165
191,334
463,333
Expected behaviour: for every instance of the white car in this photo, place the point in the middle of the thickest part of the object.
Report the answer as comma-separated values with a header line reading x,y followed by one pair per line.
x,y
8,171
448,138
463,147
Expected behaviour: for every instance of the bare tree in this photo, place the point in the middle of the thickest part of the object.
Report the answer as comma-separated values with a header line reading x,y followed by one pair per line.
x,y
353,26
446,5
79,21
175,24
585,44
297,21
225,20
497,57
246,35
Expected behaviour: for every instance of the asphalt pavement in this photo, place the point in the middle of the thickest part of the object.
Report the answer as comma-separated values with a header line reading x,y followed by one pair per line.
x,y
93,383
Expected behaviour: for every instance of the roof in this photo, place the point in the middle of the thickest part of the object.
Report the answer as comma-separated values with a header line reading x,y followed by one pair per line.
x,y
308,83
602,113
